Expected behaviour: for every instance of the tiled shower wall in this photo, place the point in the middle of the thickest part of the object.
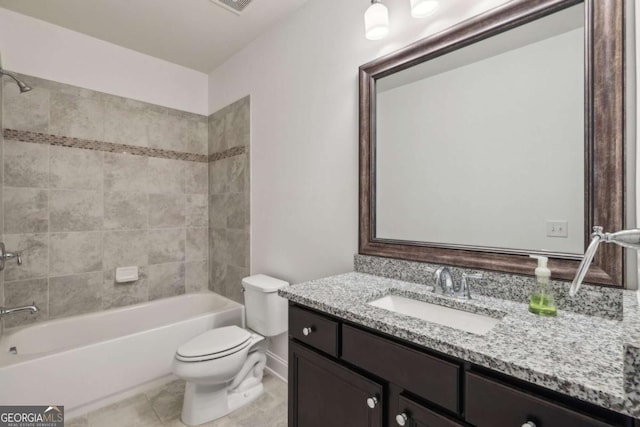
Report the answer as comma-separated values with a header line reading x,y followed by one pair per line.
x,y
229,136
127,197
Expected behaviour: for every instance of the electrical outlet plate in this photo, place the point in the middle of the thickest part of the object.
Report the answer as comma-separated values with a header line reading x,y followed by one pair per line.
x,y
557,228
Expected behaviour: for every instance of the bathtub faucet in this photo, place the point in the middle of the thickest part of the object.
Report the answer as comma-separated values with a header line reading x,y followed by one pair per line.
x,y
33,308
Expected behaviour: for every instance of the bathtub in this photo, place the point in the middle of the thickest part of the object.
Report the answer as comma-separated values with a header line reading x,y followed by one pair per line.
x,y
86,361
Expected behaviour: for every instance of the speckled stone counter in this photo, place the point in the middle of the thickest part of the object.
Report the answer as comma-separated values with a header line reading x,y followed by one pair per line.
x,y
589,358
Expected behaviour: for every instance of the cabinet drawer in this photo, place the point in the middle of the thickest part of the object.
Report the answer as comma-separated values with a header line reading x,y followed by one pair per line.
x,y
426,376
420,416
314,329
490,403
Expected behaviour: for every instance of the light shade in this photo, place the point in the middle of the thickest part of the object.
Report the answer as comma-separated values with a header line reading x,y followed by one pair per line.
x,y
376,21
422,8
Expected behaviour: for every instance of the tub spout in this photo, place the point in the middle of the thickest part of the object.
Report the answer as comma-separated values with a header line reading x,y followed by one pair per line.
x,y
33,308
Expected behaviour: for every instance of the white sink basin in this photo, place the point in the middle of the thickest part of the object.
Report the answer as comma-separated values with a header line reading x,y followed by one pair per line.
x,y
479,324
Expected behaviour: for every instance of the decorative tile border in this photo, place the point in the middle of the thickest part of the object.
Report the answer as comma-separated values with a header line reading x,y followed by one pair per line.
x,y
110,147
231,152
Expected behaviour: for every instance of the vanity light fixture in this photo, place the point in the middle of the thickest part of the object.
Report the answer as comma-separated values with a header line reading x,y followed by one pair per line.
x,y
376,21
423,8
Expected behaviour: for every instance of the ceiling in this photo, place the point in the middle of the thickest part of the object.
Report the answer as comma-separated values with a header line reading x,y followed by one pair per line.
x,y
197,34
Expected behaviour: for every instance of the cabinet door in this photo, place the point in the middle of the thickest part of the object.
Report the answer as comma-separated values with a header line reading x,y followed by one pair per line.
x,y
323,393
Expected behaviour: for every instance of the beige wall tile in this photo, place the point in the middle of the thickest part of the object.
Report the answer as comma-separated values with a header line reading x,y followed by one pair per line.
x,y
169,132
76,117
125,172
166,245
219,177
166,280
34,249
233,283
75,168
77,214
237,124
216,133
167,210
25,210
218,245
197,210
122,294
237,241
238,174
77,294
26,164
126,121
197,179
235,210
125,211
125,248
197,136
26,292
197,244
217,276
218,210
75,210
25,111
71,253
166,176
197,276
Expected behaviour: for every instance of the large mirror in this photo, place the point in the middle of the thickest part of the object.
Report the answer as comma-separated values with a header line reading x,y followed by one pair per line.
x,y
500,137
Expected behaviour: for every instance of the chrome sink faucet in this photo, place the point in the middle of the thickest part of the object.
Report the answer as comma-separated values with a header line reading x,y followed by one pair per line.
x,y
462,291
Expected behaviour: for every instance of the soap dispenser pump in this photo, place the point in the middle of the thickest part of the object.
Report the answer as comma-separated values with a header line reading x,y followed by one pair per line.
x,y
542,302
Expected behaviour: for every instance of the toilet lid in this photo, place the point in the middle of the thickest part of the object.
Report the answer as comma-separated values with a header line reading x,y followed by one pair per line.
x,y
216,342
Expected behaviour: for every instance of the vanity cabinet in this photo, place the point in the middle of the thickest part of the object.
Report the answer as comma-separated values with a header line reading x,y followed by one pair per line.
x,y
342,374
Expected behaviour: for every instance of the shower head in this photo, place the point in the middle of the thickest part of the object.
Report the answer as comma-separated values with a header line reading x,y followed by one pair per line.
x,y
22,85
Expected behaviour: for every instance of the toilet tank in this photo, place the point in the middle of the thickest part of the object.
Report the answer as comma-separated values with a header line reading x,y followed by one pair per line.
x,y
266,312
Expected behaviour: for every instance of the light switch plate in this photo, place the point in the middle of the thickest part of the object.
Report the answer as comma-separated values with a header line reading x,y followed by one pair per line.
x,y
557,228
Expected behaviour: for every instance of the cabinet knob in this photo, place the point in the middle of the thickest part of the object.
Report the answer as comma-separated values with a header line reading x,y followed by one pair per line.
x,y
401,419
372,402
307,331
529,424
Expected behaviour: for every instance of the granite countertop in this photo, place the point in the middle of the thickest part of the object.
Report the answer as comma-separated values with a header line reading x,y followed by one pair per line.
x,y
582,356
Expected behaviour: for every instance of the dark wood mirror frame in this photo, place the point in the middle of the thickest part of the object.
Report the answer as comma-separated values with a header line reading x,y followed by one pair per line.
x,y
604,137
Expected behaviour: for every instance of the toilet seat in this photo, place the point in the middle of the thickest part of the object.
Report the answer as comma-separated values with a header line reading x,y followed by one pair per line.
x,y
214,344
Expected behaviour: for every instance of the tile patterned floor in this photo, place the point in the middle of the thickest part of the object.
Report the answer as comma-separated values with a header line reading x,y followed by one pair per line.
x,y
161,407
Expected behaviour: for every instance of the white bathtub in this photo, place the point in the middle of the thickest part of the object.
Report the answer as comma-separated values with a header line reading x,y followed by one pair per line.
x,y
84,361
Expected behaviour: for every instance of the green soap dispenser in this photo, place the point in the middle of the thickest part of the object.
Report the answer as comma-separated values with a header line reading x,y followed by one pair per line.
x,y
542,302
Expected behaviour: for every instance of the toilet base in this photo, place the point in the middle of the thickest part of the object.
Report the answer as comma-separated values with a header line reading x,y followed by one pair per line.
x,y
205,403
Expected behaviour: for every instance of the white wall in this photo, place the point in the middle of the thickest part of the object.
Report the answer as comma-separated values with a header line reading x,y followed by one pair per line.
x,y
460,160
40,49
303,80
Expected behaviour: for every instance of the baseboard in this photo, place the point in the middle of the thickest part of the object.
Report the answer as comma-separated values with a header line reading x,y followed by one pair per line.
x,y
277,366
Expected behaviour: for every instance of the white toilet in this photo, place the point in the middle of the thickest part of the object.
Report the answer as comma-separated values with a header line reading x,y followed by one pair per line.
x,y
223,367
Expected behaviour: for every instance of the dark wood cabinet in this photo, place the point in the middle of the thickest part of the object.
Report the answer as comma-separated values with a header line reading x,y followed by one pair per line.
x,y
416,415
490,403
323,393
429,377
343,375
